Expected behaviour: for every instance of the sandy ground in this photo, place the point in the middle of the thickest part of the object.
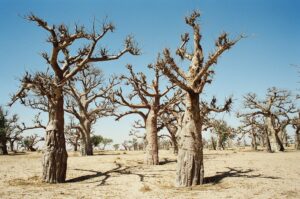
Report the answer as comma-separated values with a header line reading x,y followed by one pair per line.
x,y
229,174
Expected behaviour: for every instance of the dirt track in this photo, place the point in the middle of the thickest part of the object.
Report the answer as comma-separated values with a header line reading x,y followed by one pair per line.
x,y
116,175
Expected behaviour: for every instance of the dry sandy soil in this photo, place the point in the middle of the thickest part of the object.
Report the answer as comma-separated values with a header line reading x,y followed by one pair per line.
x,y
229,174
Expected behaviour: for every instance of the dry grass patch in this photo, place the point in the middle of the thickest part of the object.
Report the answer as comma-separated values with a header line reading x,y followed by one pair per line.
x,y
34,180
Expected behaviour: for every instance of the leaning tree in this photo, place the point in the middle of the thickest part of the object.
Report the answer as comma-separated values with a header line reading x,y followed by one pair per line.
x,y
87,99
149,97
190,170
64,63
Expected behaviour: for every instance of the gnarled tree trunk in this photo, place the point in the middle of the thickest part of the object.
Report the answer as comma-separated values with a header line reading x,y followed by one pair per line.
x,y
85,131
190,169
151,137
55,154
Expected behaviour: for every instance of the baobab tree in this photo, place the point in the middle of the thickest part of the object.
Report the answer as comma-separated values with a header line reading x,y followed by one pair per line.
x,y
250,126
172,121
275,109
146,96
87,99
64,63
190,170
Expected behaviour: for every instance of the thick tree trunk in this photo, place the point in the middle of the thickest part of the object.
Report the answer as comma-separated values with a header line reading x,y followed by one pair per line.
x,y
87,148
55,154
279,142
253,141
151,137
272,136
219,143
76,143
190,169
213,143
268,144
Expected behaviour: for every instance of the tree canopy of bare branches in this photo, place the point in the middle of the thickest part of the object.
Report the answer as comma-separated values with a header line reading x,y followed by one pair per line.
x,y
87,99
64,63
275,109
148,101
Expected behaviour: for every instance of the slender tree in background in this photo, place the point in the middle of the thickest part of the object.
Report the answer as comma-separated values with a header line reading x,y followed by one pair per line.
x,y
172,119
275,109
106,142
116,146
224,133
72,135
96,140
87,99
3,125
148,97
13,131
250,127
64,63
190,170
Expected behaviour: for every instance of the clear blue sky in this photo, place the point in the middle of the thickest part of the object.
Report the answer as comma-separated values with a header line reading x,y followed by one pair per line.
x,y
253,65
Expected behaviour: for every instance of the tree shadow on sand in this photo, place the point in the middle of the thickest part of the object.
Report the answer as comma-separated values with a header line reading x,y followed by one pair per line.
x,y
118,169
166,161
233,172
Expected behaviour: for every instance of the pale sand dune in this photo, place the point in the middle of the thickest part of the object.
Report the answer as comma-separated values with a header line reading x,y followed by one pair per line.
x,y
117,175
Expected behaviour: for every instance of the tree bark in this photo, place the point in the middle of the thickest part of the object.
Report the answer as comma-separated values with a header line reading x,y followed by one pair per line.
x,y
253,141
279,142
272,136
87,147
151,137
55,154
190,169
220,143
268,144
213,143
